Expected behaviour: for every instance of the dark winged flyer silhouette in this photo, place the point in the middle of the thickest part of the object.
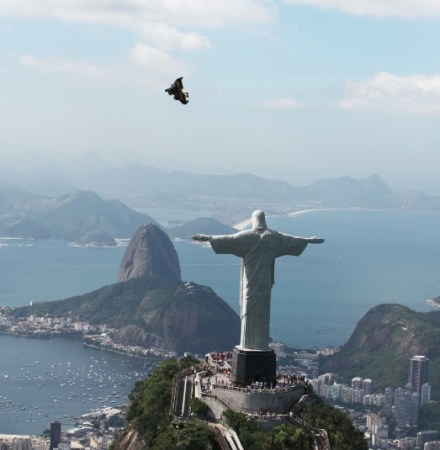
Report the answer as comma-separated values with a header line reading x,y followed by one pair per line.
x,y
176,89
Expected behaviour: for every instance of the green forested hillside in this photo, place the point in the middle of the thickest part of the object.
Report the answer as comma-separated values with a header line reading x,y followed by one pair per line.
x,y
383,342
149,424
153,311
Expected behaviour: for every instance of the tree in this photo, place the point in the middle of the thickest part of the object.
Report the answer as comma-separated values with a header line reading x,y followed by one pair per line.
x,y
150,400
192,436
248,431
287,437
198,407
429,417
281,437
341,432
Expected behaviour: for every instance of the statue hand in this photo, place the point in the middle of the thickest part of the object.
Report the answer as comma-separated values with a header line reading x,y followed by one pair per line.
x,y
201,237
315,240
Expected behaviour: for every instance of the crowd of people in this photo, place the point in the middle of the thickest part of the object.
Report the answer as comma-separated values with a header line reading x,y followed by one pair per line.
x,y
216,369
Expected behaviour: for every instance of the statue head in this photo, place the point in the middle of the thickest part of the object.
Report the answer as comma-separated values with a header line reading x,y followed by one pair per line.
x,y
259,220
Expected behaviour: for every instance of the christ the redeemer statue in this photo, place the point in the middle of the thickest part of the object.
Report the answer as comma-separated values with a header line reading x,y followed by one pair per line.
x,y
257,249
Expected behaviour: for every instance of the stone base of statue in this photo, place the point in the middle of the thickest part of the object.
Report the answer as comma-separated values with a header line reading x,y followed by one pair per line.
x,y
249,366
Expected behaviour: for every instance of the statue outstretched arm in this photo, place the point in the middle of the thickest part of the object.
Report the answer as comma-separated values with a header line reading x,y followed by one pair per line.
x,y
315,240
201,237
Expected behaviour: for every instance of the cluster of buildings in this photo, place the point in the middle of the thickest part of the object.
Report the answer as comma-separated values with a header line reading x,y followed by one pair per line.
x,y
396,409
37,326
15,442
94,431
98,336
397,405
389,427
91,433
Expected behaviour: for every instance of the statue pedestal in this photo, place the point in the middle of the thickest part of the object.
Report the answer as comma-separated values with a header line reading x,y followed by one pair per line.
x,y
249,366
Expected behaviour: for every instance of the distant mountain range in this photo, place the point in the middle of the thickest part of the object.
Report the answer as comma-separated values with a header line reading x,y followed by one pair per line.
x,y
84,218
41,204
141,186
81,217
202,225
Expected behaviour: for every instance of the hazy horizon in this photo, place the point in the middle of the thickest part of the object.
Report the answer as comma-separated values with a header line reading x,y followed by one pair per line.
x,y
298,90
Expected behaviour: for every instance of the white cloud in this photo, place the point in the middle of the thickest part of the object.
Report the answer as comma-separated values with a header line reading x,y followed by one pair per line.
x,y
156,61
135,13
417,94
282,103
377,8
168,37
62,65
146,66
162,25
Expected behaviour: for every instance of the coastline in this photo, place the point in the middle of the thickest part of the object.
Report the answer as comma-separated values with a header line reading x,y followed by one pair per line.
x,y
243,224
306,211
434,302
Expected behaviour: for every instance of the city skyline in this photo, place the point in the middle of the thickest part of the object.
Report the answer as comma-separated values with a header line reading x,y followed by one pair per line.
x,y
298,89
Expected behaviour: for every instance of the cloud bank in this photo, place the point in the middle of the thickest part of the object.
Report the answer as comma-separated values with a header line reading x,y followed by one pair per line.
x,y
137,14
161,27
418,94
377,8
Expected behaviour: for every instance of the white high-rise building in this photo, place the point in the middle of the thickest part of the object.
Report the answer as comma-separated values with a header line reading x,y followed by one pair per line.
x,y
358,395
368,386
335,392
356,382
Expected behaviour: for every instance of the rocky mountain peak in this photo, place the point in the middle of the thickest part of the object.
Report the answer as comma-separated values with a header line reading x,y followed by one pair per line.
x,y
150,252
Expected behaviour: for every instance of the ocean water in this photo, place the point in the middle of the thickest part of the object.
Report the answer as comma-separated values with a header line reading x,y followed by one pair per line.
x,y
32,270
368,258
43,380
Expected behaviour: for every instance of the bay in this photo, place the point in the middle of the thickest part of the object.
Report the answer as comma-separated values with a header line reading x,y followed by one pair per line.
x,y
44,380
368,258
33,270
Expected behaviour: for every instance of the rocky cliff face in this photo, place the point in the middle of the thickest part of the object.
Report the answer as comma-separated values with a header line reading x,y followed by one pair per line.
x,y
150,252
150,305
186,317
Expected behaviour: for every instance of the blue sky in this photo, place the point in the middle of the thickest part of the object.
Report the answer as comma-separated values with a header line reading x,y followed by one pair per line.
x,y
293,89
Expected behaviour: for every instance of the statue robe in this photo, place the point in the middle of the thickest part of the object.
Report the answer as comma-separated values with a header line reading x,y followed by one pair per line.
x,y
257,250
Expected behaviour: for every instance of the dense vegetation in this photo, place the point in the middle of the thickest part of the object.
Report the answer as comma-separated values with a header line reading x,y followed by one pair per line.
x,y
341,433
382,344
115,305
429,417
149,410
152,311
282,437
